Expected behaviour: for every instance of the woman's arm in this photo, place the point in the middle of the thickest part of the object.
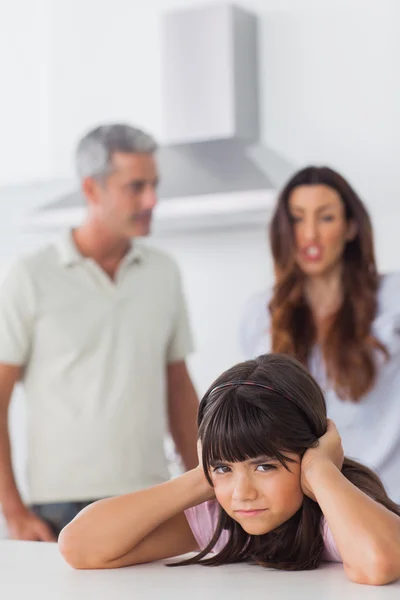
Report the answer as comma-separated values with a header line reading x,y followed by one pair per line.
x,y
367,534
140,527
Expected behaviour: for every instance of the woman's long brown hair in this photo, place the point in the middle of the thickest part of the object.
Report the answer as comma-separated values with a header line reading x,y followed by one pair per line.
x,y
348,347
238,422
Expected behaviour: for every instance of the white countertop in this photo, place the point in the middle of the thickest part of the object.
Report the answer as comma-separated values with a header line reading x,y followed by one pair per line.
x,y
36,571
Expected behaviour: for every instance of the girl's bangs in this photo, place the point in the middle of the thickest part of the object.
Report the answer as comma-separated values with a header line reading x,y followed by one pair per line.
x,y
234,430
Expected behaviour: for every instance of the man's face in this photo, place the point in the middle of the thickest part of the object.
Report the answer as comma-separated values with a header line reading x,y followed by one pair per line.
x,y
124,199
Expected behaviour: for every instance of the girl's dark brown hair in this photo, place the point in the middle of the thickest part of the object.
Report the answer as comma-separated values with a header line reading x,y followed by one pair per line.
x,y
348,346
241,421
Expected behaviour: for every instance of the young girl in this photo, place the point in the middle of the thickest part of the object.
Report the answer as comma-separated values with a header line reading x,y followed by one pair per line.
x,y
272,488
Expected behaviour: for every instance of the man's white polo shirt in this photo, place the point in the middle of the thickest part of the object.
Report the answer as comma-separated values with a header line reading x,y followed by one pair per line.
x,y
95,354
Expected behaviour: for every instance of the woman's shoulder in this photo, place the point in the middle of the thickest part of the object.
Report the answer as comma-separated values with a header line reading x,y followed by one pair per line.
x,y
387,319
389,291
255,323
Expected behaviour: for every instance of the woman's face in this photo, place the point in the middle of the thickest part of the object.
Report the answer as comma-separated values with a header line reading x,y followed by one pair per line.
x,y
321,230
260,494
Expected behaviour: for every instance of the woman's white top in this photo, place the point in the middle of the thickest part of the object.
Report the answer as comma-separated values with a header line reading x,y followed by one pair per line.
x,y
370,429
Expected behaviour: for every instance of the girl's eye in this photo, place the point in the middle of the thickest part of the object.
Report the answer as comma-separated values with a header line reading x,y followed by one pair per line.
x,y
220,469
327,218
265,468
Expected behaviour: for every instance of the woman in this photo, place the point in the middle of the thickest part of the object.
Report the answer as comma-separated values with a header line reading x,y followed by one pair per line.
x,y
272,487
331,310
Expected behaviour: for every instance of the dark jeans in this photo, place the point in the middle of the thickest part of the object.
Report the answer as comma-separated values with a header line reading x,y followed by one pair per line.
x,y
58,515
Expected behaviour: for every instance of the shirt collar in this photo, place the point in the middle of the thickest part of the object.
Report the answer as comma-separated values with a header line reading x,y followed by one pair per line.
x,y
70,255
135,254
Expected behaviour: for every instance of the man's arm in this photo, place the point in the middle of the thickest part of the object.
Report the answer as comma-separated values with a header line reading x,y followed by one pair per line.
x,y
17,315
10,500
182,412
21,523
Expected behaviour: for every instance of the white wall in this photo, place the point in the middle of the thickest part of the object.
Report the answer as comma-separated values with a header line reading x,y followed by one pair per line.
x,y
219,270
330,93
332,90
25,99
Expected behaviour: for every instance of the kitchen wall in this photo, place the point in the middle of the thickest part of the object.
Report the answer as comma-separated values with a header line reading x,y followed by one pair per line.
x,y
25,96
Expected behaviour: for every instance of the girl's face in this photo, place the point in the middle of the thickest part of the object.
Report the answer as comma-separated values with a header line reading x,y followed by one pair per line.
x,y
260,494
321,230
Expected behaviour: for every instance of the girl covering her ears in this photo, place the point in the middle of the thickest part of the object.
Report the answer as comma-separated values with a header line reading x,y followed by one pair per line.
x,y
272,488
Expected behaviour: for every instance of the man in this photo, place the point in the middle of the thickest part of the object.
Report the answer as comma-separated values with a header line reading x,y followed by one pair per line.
x,y
95,326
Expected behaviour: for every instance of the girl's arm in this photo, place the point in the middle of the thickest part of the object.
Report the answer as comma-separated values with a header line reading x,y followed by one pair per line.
x,y
367,534
135,528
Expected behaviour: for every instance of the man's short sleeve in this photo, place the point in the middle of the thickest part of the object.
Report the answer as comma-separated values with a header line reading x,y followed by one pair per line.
x,y
17,310
181,343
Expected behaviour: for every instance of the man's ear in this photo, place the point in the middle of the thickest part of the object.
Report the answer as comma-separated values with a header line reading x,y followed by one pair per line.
x,y
90,189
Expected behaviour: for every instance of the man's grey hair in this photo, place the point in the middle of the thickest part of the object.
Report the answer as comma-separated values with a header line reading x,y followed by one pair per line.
x,y
96,149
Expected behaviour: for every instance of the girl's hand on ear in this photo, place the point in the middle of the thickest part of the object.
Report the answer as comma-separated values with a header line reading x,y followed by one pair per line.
x,y
210,489
329,450
199,453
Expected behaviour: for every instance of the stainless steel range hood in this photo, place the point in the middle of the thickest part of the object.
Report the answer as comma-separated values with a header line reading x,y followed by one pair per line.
x,y
214,171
